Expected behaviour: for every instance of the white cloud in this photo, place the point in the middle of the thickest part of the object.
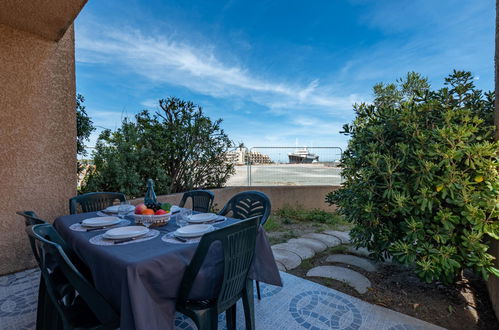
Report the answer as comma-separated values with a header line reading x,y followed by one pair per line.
x,y
197,68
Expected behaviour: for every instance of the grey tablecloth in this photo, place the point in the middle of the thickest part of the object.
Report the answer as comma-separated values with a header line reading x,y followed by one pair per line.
x,y
141,280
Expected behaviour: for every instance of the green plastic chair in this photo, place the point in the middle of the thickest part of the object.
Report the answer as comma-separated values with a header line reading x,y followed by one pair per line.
x,y
31,219
248,204
94,201
202,200
238,244
70,301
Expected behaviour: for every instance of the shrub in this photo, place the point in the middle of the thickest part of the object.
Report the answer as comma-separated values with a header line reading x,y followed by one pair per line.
x,y
178,147
84,127
421,179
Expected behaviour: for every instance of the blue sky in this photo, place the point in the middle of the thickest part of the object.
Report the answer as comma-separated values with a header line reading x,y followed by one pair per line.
x,y
277,71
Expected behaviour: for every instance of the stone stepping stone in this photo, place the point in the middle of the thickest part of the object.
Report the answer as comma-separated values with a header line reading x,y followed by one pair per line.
x,y
344,236
329,240
303,251
348,259
362,252
280,266
312,243
354,279
288,259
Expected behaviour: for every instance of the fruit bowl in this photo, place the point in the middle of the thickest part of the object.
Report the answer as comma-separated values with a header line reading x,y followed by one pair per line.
x,y
157,220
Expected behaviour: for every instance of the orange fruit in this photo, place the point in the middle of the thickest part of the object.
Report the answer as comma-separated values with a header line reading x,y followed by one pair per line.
x,y
148,212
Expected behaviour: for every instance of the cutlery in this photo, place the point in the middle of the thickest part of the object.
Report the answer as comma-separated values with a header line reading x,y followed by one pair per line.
x,y
215,221
183,240
98,228
125,240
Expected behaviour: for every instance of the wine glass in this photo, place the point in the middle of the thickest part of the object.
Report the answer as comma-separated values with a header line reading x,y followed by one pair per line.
x,y
123,209
183,217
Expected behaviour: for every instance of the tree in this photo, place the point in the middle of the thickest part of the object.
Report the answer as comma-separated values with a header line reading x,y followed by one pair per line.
x,y
84,127
421,176
178,147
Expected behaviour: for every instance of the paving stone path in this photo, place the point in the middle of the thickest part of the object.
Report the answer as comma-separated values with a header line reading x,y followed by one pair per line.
x,y
303,251
316,245
288,259
356,280
348,259
289,255
329,240
344,236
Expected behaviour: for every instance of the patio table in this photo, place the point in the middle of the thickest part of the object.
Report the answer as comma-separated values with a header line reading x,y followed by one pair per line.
x,y
141,280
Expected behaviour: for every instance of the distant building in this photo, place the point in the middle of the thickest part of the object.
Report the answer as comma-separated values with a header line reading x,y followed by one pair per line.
x,y
241,157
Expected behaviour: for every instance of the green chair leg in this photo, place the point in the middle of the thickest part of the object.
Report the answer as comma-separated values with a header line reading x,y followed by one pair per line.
x,y
206,319
230,317
249,305
40,310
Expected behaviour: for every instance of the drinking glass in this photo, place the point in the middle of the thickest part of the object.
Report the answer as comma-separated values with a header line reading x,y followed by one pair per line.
x,y
183,217
123,209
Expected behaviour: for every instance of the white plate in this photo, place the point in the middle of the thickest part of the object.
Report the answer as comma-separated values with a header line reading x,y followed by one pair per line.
x,y
193,230
115,208
126,232
100,221
202,217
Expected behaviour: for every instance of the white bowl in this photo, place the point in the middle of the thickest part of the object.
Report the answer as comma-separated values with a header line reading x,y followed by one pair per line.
x,y
202,217
100,221
126,232
193,230
115,208
161,219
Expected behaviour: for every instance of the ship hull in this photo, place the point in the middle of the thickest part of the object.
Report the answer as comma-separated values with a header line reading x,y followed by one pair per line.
x,y
302,160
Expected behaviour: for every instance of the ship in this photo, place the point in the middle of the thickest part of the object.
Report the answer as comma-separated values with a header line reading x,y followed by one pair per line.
x,y
301,156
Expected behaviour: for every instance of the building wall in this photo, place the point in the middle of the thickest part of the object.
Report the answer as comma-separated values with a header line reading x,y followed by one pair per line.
x,y
37,136
309,197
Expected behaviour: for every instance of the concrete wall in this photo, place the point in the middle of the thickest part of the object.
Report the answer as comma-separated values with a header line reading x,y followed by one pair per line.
x,y
37,136
310,197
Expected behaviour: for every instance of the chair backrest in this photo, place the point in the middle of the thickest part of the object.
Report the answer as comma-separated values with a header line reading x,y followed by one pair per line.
x,y
30,219
238,245
248,204
94,201
59,272
202,200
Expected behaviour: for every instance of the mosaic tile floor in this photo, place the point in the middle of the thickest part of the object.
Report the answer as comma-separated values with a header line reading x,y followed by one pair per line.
x,y
300,304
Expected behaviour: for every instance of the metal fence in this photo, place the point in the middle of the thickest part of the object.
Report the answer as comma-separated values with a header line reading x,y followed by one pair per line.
x,y
286,166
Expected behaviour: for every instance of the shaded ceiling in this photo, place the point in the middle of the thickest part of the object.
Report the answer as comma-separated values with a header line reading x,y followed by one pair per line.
x,y
48,19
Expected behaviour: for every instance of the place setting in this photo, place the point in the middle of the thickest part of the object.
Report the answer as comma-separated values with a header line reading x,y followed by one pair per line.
x,y
192,226
99,223
125,235
121,210
205,218
188,234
